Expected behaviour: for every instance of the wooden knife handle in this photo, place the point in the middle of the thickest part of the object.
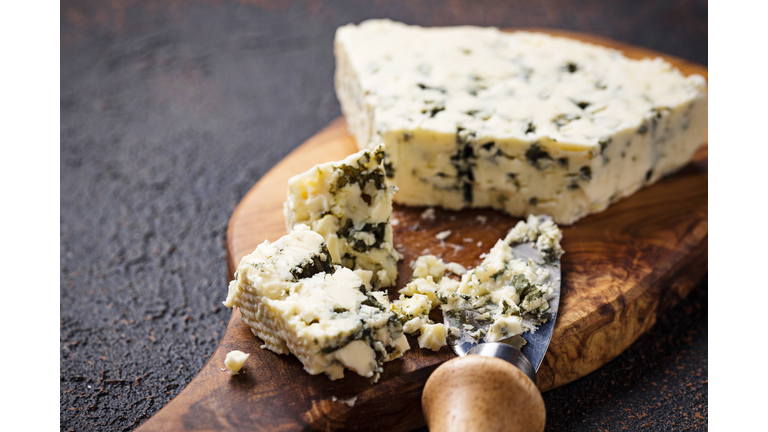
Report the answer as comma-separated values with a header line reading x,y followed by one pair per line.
x,y
475,393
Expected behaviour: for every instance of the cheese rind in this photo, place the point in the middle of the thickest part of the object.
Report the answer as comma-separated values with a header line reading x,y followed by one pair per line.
x,y
521,122
350,205
294,299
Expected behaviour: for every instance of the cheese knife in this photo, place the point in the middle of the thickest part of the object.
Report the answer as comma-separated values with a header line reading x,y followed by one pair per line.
x,y
491,386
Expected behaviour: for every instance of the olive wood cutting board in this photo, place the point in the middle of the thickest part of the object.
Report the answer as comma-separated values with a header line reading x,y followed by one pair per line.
x,y
622,268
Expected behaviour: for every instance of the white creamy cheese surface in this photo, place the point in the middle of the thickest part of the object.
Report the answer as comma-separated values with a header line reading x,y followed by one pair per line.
x,y
511,294
521,122
294,299
350,205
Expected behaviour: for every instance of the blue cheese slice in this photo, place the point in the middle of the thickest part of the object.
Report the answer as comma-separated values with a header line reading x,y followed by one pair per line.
x,y
294,299
521,122
350,205
510,294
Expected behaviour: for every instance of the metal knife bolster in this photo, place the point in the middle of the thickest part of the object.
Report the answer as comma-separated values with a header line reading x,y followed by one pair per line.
x,y
508,353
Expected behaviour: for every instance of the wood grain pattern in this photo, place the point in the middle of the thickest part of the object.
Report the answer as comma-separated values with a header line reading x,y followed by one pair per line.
x,y
621,269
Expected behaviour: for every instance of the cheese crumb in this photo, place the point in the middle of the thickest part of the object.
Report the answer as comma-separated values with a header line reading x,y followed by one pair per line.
x,y
428,265
482,219
234,361
428,214
455,268
351,401
506,326
433,336
443,235
412,326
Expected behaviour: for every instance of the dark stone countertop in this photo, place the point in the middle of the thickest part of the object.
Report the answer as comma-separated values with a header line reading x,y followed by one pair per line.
x,y
171,111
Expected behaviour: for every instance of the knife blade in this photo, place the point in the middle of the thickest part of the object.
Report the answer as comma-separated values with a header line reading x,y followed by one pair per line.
x,y
496,389
533,344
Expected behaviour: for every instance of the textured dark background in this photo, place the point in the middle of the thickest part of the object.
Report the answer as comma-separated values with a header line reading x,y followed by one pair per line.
x,y
171,111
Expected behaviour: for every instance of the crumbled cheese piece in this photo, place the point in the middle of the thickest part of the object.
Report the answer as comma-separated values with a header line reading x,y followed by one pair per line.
x,y
365,276
423,285
522,122
455,268
294,299
350,402
502,289
413,325
428,265
468,240
416,305
350,205
433,336
443,235
479,334
428,214
234,361
505,326
542,231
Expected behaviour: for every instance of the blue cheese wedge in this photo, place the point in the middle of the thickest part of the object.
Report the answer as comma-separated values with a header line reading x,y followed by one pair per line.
x,y
297,301
522,122
350,205
509,293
